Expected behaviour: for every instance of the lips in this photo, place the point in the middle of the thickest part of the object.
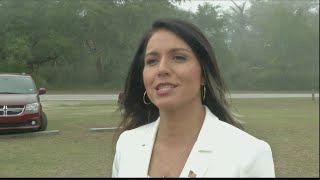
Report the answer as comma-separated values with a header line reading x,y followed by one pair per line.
x,y
165,88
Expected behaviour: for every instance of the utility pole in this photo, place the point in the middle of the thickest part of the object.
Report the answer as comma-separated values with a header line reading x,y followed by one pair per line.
x,y
314,79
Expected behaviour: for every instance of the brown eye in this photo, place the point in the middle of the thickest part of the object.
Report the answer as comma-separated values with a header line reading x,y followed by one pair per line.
x,y
179,58
151,62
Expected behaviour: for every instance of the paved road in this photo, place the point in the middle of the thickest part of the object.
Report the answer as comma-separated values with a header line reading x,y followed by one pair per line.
x,y
66,97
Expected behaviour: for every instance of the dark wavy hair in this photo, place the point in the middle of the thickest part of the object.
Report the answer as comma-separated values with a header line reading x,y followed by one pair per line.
x,y
136,113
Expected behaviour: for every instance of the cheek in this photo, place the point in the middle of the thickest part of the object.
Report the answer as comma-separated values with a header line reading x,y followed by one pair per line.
x,y
193,76
147,78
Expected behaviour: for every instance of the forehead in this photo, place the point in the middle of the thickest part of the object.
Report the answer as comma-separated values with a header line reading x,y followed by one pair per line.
x,y
166,39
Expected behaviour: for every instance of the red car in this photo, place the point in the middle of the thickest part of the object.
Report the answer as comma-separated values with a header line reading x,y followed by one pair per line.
x,y
20,107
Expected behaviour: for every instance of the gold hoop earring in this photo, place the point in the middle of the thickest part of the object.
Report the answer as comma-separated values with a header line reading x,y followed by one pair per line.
x,y
144,98
203,92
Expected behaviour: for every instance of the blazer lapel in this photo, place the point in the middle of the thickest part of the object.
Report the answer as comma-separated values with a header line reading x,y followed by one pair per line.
x,y
197,163
145,150
201,155
203,150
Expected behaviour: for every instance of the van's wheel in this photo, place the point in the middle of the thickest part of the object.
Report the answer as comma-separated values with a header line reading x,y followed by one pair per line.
x,y
43,125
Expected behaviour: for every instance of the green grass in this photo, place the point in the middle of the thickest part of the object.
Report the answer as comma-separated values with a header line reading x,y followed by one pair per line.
x,y
289,125
74,152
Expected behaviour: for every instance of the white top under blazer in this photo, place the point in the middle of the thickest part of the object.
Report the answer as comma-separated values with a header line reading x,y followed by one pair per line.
x,y
221,150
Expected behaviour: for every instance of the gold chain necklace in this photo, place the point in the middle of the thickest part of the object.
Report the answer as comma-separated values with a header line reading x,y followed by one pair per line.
x,y
182,154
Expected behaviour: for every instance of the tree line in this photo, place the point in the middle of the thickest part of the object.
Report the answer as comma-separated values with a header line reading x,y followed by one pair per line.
x,y
69,44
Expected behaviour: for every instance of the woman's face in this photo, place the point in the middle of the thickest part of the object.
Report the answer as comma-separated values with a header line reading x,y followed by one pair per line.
x,y
172,73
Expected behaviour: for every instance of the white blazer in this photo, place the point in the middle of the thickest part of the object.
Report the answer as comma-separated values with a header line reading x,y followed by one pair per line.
x,y
221,150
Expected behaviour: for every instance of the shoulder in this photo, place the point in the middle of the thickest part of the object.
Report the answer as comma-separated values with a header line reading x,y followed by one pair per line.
x,y
228,135
138,131
236,135
130,137
253,156
240,139
247,154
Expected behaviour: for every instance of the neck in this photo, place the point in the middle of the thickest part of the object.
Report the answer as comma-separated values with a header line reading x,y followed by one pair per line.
x,y
181,124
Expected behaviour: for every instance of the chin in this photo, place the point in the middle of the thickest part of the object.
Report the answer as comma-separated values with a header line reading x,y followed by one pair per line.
x,y
166,106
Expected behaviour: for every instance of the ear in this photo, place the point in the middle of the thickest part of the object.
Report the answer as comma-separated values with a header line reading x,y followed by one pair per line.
x,y
203,82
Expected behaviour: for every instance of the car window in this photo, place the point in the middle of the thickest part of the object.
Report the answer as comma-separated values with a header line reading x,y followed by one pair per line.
x,y
16,85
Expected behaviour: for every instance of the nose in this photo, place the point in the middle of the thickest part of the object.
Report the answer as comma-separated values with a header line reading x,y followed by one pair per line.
x,y
163,67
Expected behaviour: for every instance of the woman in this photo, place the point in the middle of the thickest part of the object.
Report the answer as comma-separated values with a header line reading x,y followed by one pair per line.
x,y
177,121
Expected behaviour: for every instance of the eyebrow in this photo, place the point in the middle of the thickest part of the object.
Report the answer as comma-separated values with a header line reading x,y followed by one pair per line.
x,y
171,51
